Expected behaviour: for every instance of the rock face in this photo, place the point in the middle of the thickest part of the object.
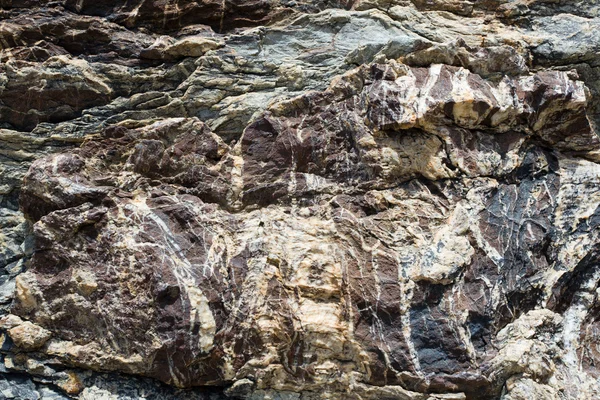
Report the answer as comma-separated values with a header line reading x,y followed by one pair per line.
x,y
300,200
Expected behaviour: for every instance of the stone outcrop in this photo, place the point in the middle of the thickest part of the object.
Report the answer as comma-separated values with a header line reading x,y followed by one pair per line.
x,y
300,200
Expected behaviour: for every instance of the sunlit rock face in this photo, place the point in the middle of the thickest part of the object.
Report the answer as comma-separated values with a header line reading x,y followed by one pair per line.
x,y
300,200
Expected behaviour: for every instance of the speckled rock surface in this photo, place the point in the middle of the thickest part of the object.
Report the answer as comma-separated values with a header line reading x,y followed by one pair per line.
x,y
369,199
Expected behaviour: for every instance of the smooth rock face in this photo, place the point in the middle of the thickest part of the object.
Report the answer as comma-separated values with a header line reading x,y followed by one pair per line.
x,y
300,200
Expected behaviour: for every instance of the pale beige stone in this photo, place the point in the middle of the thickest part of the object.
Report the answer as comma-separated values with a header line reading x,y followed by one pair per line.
x,y
29,336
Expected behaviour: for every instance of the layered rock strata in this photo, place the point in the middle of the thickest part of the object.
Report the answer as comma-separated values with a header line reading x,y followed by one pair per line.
x,y
300,200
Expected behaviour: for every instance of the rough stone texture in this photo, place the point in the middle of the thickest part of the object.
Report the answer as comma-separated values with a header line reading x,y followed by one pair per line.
x,y
300,200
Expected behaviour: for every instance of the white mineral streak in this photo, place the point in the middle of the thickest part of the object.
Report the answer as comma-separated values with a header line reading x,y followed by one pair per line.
x,y
576,202
200,313
583,385
423,100
508,105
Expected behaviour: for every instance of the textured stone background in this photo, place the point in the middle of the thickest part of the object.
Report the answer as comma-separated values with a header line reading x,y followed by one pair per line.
x,y
272,199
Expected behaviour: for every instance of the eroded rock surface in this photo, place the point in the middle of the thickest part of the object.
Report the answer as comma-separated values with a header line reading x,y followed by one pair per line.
x,y
300,200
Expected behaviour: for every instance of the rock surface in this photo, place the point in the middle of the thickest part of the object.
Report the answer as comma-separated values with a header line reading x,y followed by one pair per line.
x,y
300,199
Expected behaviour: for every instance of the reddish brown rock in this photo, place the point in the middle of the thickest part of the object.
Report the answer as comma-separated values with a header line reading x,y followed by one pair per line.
x,y
299,200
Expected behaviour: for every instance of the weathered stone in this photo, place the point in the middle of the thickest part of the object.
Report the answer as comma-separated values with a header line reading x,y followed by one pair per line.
x,y
28,336
299,199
